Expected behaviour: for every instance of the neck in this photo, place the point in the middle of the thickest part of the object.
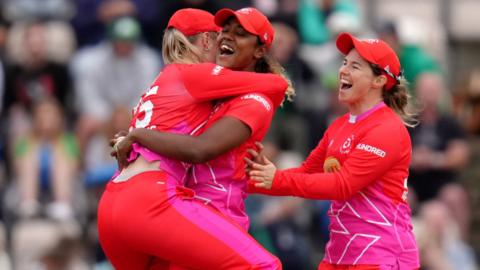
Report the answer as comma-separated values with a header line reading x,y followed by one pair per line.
x,y
359,108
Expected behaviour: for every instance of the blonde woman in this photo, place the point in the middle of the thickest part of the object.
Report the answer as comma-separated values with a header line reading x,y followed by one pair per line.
x,y
146,217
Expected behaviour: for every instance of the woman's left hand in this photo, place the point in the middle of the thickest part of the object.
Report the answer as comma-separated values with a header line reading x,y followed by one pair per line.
x,y
261,173
121,148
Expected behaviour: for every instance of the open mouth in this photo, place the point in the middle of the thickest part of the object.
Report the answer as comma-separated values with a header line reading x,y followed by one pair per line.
x,y
345,86
226,50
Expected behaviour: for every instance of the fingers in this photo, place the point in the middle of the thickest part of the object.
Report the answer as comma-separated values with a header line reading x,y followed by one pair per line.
x,y
265,160
253,153
249,162
259,145
256,174
120,134
260,185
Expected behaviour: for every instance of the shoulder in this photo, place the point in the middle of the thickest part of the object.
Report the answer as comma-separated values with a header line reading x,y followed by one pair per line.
x,y
386,125
200,67
255,99
339,121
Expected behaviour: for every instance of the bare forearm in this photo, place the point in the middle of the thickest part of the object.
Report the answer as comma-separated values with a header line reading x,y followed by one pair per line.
x,y
214,142
176,146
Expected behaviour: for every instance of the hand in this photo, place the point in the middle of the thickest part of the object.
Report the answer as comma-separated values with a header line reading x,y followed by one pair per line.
x,y
262,173
256,155
122,145
117,136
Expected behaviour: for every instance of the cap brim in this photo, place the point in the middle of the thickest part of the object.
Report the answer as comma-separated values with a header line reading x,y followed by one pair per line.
x,y
346,42
224,14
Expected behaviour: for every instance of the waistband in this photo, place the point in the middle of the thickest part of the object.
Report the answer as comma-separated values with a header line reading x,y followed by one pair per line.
x,y
156,175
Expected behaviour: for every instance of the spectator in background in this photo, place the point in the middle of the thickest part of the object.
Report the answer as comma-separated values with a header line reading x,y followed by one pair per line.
x,y
440,244
313,16
32,73
467,105
284,11
289,131
99,165
18,10
414,59
440,151
281,224
93,15
46,159
112,74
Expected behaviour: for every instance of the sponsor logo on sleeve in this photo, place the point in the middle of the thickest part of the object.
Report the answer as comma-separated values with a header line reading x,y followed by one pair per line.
x,y
371,149
216,70
260,99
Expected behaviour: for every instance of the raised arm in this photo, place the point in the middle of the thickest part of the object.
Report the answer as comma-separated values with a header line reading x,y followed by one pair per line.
x,y
210,82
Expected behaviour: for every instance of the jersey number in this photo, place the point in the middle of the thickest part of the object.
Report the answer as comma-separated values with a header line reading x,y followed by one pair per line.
x,y
147,108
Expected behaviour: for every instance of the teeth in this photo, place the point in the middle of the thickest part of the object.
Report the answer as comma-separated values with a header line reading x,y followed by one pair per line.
x,y
226,48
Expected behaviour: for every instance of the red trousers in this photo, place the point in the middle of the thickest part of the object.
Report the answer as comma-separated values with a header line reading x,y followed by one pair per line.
x,y
144,223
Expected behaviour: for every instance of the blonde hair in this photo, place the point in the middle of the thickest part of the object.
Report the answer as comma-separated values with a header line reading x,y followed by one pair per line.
x,y
399,99
177,48
268,65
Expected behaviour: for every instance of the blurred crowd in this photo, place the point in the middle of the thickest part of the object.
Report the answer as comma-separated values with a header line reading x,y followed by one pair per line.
x,y
71,70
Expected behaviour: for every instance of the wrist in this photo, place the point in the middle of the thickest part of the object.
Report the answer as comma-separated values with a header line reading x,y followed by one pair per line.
x,y
276,178
133,135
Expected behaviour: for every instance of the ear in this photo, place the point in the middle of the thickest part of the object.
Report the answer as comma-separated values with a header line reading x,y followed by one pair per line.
x,y
260,51
207,42
380,81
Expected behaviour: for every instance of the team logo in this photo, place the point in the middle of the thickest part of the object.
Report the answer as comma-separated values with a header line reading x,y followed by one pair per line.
x,y
265,36
387,68
347,145
216,70
260,99
371,40
245,11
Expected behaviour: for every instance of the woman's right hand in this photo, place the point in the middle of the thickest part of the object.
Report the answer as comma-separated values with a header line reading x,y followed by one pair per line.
x,y
261,173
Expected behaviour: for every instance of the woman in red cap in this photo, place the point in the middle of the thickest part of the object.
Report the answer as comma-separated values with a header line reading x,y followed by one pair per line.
x,y
146,218
361,164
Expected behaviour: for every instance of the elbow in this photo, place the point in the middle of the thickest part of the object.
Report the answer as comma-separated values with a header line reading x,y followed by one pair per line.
x,y
199,155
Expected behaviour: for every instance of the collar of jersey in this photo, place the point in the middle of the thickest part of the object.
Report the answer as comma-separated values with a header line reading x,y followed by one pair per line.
x,y
352,119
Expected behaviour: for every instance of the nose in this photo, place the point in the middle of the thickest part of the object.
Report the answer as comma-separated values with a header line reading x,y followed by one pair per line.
x,y
343,70
225,35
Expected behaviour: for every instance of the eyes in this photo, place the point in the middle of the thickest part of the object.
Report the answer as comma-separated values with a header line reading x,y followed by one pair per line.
x,y
237,29
353,65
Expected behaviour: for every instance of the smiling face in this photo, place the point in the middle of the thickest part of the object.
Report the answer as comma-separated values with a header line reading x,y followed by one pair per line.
x,y
359,88
237,48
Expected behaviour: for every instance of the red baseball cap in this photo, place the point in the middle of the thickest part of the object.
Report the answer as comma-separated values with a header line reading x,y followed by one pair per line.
x,y
376,52
191,21
251,19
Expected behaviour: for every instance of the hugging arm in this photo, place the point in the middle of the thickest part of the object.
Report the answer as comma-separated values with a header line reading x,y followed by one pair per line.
x,y
225,134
